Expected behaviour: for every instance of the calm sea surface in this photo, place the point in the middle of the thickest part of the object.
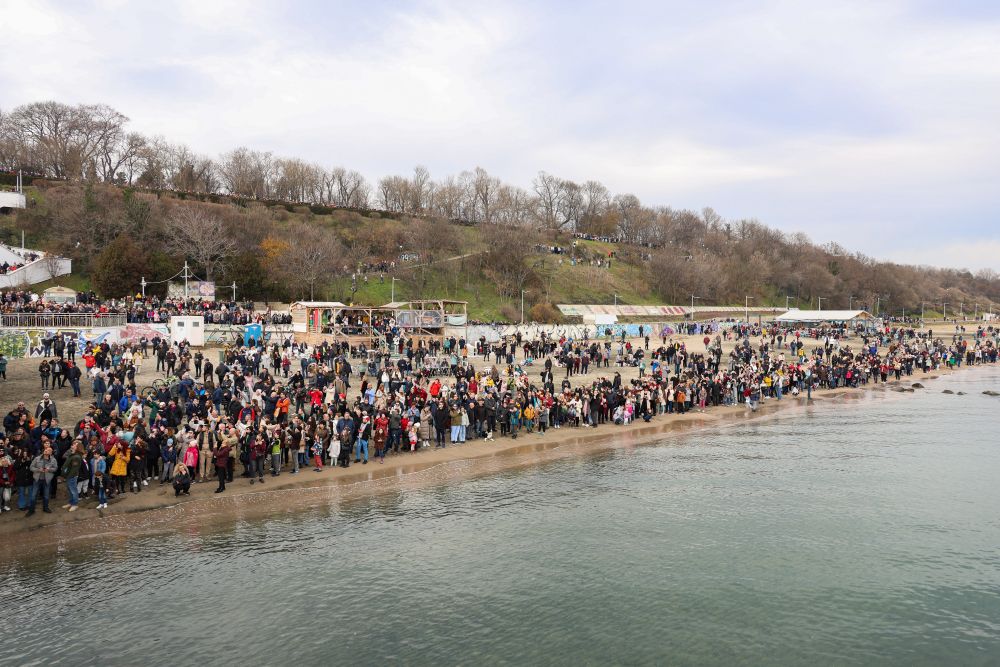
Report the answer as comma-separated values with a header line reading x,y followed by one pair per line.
x,y
862,531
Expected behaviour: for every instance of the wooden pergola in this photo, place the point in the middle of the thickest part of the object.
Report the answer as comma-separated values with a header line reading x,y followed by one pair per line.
x,y
334,321
429,319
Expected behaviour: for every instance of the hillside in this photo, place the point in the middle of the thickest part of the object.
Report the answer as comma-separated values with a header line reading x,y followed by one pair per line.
x,y
279,251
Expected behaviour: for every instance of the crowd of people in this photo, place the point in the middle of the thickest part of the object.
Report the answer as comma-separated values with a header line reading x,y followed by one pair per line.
x,y
283,409
145,309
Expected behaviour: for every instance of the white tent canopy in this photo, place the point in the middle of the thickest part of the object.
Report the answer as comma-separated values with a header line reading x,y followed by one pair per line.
x,y
817,316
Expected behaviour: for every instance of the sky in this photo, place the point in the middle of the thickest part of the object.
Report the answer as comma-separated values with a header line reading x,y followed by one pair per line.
x,y
871,124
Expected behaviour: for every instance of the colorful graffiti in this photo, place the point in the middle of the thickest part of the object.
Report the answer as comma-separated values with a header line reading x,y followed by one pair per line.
x,y
133,332
14,344
31,342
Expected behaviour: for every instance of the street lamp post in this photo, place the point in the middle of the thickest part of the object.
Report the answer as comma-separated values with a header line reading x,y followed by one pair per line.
x,y
693,297
878,302
944,310
819,299
522,306
392,290
746,309
616,300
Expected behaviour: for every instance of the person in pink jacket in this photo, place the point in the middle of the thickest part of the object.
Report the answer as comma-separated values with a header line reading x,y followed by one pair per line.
x,y
191,455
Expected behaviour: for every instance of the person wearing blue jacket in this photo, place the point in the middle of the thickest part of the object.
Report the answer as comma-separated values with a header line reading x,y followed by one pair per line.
x,y
126,401
169,455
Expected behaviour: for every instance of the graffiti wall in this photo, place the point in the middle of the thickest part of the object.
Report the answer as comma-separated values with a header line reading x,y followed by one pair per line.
x,y
495,332
32,342
133,332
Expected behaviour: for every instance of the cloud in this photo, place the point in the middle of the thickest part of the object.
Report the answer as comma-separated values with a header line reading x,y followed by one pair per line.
x,y
870,124
972,255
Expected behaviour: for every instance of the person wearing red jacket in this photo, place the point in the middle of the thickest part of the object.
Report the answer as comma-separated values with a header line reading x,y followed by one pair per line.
x,y
222,464
315,400
258,453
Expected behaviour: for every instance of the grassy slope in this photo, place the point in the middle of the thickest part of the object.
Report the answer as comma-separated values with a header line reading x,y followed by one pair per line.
x,y
464,281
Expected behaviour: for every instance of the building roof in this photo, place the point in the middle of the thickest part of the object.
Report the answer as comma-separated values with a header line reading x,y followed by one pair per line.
x,y
581,310
424,302
318,304
796,315
59,289
12,200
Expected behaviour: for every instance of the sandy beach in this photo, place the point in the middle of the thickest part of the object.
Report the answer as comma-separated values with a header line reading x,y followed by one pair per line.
x,y
156,509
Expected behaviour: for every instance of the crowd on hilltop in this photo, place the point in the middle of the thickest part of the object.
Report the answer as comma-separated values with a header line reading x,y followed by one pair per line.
x,y
264,411
139,309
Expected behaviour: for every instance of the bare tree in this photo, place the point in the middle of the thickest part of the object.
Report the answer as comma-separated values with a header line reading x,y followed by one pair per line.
x,y
199,236
117,158
485,188
420,189
68,139
247,172
505,260
311,255
547,188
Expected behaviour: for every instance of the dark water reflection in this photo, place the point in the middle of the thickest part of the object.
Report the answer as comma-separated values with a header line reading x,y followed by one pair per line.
x,y
861,532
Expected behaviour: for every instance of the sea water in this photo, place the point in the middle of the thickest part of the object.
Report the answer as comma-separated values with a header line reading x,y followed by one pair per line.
x,y
857,531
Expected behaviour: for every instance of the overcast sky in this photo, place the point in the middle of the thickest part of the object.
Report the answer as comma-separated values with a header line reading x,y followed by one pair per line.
x,y
874,124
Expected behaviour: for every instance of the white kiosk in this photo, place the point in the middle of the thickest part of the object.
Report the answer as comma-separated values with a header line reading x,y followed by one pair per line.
x,y
188,327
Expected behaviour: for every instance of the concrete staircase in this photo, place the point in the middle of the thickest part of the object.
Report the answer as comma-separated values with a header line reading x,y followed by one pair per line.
x,y
34,266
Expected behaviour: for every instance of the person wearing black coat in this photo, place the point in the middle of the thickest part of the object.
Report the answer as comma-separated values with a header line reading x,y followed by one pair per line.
x,y
440,415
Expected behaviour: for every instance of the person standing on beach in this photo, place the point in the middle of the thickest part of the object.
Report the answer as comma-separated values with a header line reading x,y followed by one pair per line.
x,y
258,452
379,438
43,468
8,479
364,434
46,409
120,454
71,471
222,462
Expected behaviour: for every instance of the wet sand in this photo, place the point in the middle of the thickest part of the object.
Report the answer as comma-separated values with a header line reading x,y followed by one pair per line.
x,y
156,510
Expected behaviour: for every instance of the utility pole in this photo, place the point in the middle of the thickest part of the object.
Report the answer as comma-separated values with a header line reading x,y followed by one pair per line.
x,y
921,312
975,315
143,283
393,291
616,300
786,301
944,310
234,291
961,310
185,280
850,302
522,307
746,309
819,299
693,297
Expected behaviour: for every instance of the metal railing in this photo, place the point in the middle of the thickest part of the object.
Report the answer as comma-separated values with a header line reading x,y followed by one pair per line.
x,y
61,320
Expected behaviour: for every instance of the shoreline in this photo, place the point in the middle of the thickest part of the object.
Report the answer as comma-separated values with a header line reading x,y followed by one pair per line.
x,y
155,510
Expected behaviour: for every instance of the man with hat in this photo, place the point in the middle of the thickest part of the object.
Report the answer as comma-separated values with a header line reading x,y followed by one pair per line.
x,y
46,409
